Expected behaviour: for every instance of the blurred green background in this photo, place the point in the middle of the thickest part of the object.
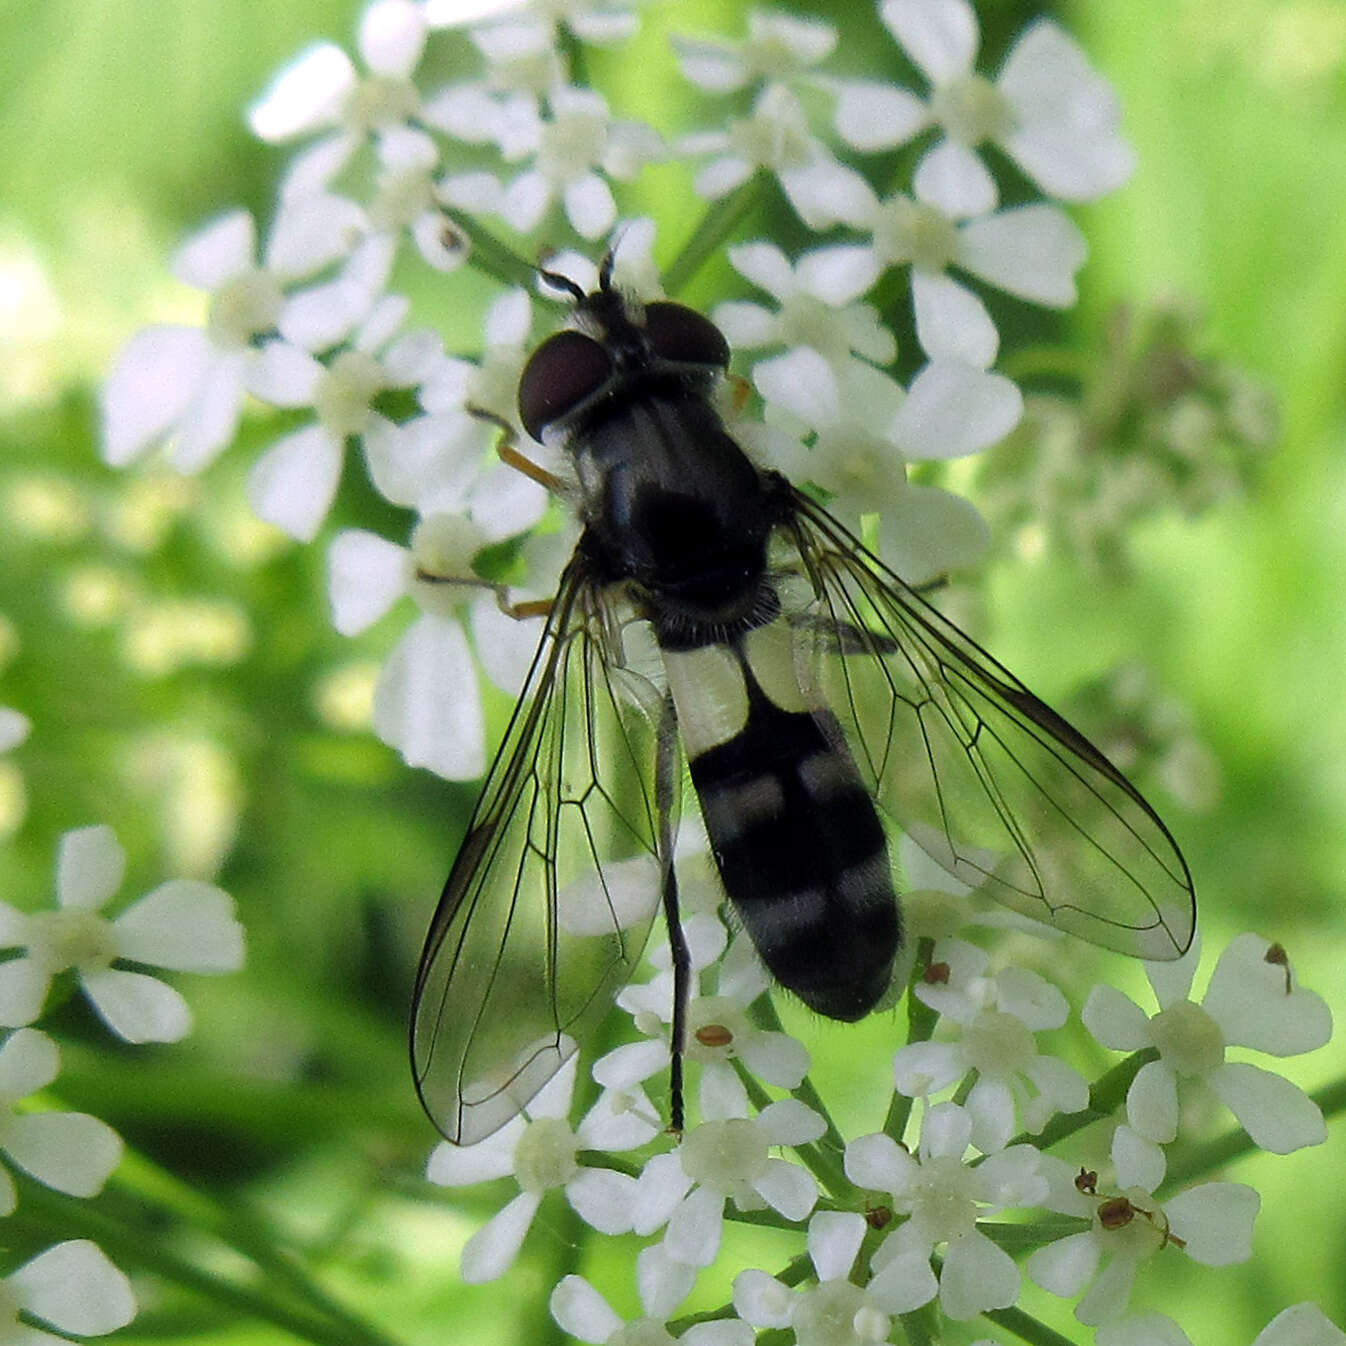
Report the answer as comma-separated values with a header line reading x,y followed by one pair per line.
x,y
186,687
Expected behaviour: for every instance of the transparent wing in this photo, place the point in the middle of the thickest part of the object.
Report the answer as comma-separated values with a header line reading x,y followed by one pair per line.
x,y
989,781
549,902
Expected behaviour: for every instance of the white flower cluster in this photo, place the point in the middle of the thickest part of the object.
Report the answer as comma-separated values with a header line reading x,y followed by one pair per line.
x,y
183,925
903,1216
889,1229
386,163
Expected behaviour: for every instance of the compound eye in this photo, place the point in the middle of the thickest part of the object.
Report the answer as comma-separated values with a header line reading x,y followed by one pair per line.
x,y
684,335
560,374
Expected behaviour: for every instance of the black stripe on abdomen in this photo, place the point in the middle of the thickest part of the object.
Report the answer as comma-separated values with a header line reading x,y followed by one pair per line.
x,y
802,854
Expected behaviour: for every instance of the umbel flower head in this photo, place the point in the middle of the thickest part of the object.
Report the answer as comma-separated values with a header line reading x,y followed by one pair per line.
x,y
184,925
871,1213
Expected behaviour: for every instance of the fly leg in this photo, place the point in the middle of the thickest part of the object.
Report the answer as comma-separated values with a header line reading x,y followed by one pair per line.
x,y
666,785
508,454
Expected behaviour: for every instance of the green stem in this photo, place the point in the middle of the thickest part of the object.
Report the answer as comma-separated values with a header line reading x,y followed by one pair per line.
x,y
1043,362
1027,1328
716,225
921,1020
491,256
130,1248
241,1228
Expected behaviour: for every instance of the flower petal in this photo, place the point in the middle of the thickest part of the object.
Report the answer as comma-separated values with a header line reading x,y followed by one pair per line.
x,y
603,1199
68,1151
1215,1221
874,115
1277,1114
952,177
184,925
787,1188
462,1165
905,1283
1066,134
76,1289
951,321
1032,252
151,384
1152,1102
939,35
29,1061
1115,1020
23,991
427,703
1066,1266
137,1007
392,37
307,94
218,252
366,575
582,1312
954,408
801,382
90,866
491,1251
976,1276
1247,998
294,483
834,1238
693,1233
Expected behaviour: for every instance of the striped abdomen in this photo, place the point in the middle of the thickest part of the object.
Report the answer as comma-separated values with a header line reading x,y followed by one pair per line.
x,y
792,827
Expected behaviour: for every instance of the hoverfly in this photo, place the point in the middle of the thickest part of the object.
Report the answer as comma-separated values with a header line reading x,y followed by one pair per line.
x,y
715,620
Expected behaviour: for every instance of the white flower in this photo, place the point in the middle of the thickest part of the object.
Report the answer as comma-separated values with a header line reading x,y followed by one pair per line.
x,y
1247,1004
185,385
1048,109
540,1151
859,456
818,319
779,47
998,1015
718,1028
836,1311
574,149
522,67
726,1157
322,88
775,138
491,382
73,1287
663,1284
944,1197
69,1151
1031,251
14,728
405,197
427,702
1212,1223
295,481
184,925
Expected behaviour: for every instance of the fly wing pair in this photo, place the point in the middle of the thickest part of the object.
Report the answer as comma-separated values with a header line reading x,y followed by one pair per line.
x,y
549,903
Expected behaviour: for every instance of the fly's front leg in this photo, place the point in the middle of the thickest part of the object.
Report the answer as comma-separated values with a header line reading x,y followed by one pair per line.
x,y
507,450
452,564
